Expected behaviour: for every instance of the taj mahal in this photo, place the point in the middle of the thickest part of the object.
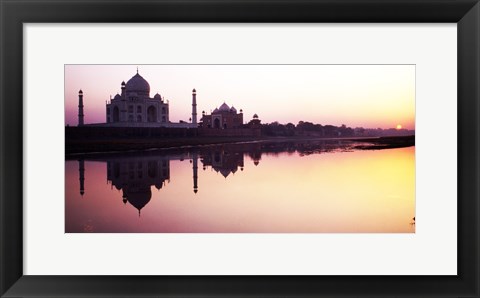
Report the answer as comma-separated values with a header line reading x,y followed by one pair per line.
x,y
134,104
133,107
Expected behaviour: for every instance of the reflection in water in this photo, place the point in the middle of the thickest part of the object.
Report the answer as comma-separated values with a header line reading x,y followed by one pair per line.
x,y
81,169
298,187
135,176
223,162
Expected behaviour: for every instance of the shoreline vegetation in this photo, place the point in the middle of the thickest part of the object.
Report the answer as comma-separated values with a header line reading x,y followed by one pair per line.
x,y
75,146
387,143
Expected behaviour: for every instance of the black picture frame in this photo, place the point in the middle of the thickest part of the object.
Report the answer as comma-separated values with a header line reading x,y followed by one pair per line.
x,y
14,13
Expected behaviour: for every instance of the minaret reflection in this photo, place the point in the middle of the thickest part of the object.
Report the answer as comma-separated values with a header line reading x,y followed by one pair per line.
x,y
195,172
81,174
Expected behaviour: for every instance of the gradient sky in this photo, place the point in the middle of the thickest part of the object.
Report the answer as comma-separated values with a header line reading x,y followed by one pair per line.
x,y
368,96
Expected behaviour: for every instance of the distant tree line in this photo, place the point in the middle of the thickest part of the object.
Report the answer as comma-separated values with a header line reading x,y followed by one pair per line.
x,y
305,128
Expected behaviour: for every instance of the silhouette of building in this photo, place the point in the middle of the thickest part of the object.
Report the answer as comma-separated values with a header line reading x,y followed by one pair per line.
x,y
134,107
224,117
80,108
255,122
194,107
134,104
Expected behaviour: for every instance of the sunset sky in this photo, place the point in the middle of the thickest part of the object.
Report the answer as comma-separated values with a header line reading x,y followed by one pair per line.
x,y
368,96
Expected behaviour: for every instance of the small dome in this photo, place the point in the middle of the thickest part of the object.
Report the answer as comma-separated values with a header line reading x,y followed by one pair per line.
x,y
233,109
117,96
80,92
255,116
138,84
123,83
157,96
194,91
215,111
224,107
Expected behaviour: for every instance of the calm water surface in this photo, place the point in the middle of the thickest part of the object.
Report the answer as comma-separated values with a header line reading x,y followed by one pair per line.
x,y
313,187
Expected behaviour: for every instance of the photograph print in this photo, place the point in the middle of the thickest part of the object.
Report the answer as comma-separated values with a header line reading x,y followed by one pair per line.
x,y
239,148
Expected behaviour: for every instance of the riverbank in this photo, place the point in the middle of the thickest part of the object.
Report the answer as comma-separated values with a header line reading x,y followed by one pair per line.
x,y
387,143
74,146
102,145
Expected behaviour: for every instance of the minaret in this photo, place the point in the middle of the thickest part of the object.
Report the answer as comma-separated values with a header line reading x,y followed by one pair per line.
x,y
123,104
123,89
81,172
195,172
80,108
194,107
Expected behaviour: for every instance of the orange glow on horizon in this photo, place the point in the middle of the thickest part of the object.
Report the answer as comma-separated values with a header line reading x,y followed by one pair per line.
x,y
366,96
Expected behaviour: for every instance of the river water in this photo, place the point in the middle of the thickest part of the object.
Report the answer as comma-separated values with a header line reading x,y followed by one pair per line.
x,y
276,187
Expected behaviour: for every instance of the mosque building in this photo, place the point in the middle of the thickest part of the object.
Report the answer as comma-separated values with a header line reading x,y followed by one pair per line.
x,y
224,117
